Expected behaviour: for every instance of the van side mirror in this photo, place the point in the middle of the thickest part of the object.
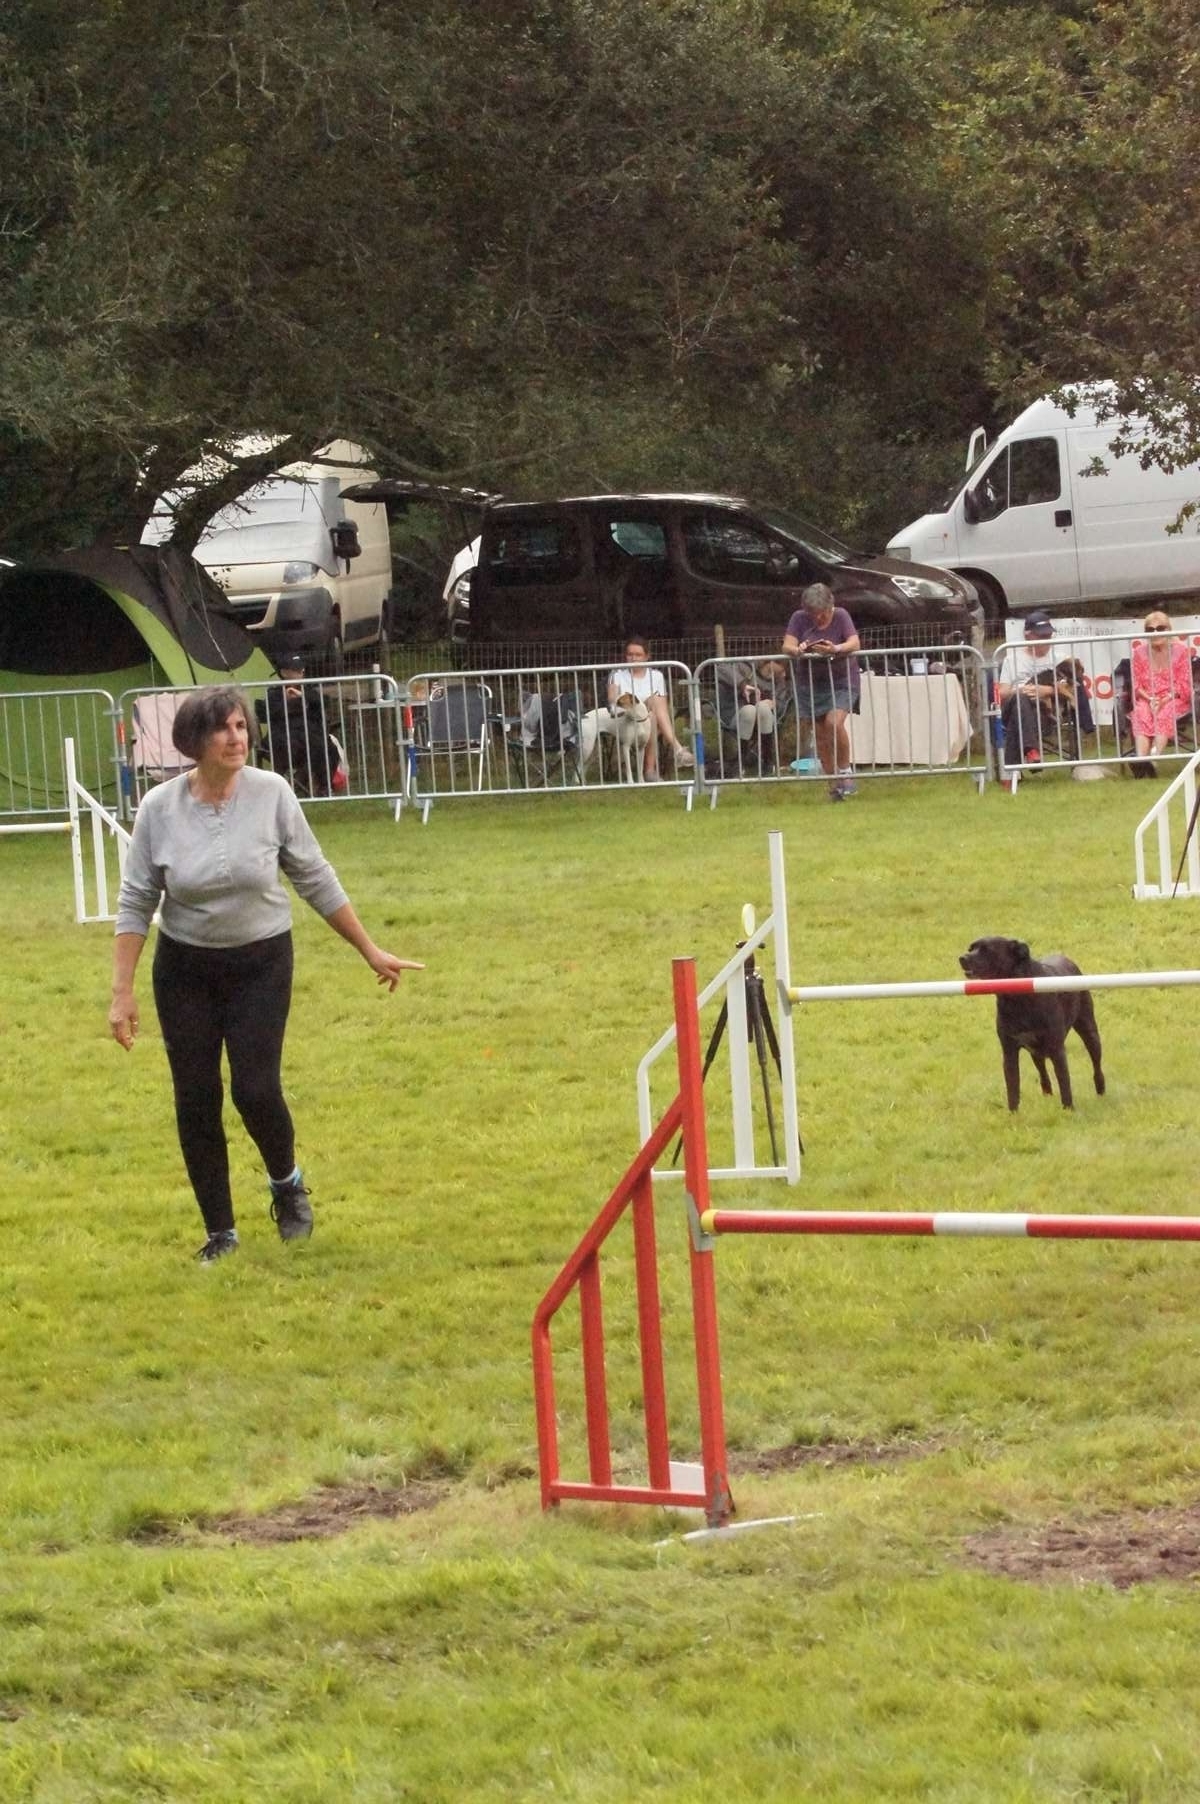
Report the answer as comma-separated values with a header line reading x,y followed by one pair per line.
x,y
345,540
970,507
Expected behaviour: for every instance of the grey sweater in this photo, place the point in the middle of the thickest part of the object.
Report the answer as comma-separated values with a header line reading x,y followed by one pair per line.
x,y
216,868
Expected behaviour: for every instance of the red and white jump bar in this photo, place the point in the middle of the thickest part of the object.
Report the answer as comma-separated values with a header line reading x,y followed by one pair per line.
x,y
991,986
1019,1227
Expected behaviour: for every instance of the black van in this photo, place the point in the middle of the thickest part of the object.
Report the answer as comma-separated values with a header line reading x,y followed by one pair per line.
x,y
675,566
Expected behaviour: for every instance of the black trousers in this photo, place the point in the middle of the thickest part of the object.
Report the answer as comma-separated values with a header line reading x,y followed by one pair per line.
x,y
236,999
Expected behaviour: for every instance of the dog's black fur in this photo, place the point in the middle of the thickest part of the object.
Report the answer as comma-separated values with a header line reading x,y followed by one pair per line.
x,y
1040,1024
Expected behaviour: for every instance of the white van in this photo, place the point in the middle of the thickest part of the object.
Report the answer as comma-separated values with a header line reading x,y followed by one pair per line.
x,y
1048,515
304,569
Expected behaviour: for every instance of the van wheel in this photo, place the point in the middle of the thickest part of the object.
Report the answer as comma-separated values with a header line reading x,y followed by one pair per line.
x,y
335,650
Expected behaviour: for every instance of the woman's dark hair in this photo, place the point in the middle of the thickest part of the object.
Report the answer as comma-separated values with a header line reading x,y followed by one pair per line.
x,y
204,712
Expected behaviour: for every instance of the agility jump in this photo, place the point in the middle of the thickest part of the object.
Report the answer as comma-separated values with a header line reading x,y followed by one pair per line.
x,y
79,802
771,936
706,1486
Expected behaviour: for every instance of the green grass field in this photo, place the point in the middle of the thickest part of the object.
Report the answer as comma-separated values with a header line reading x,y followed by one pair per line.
x,y
157,1643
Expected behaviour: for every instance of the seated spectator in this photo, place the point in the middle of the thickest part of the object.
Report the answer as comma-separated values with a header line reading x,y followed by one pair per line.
x,y
638,713
1036,698
821,639
1161,680
299,743
749,706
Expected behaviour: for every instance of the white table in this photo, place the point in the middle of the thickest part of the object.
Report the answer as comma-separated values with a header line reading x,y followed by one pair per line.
x,y
911,720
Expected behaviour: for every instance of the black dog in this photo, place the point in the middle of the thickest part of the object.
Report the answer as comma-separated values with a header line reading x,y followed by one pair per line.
x,y
1038,1023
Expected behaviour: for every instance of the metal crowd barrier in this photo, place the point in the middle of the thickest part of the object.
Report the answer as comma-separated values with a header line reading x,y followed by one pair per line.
x,y
915,711
34,781
1082,716
918,710
334,739
545,729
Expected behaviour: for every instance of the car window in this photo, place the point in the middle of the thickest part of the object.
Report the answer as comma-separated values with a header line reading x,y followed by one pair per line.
x,y
729,549
638,537
820,544
1034,473
531,551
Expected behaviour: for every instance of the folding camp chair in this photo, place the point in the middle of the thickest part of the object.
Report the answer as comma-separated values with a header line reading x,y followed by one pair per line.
x,y
457,721
152,754
545,741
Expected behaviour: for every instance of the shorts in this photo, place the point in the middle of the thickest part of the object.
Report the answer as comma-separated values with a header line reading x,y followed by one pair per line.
x,y
819,691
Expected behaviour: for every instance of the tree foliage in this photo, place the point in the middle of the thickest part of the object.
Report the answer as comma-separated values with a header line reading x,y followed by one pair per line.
x,y
787,245
1088,117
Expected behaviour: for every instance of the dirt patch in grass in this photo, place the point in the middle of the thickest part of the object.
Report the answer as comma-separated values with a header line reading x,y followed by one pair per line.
x,y
834,1453
1131,1549
331,1510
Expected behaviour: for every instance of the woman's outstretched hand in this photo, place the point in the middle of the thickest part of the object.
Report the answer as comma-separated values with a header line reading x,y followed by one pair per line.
x,y
387,967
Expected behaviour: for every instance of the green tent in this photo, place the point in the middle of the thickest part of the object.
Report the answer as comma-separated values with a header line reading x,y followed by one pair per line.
x,y
110,620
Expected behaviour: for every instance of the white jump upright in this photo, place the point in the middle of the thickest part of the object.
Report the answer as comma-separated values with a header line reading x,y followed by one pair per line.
x,y
1179,796
80,801
772,933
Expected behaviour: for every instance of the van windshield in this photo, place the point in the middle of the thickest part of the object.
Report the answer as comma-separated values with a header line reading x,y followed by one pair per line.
x,y
279,499
824,548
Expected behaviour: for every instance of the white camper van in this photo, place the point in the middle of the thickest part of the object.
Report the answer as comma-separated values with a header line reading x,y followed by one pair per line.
x,y
1049,515
305,571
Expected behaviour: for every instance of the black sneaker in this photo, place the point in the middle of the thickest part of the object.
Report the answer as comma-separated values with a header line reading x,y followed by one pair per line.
x,y
291,1212
225,1240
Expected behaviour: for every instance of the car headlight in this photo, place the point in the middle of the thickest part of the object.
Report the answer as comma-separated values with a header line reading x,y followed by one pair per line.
x,y
922,588
900,551
299,573
460,595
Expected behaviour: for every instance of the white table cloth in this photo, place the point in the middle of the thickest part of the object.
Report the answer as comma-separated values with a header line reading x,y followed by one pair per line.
x,y
910,720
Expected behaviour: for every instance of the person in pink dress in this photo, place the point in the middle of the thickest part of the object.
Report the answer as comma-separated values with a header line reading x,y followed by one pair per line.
x,y
1161,673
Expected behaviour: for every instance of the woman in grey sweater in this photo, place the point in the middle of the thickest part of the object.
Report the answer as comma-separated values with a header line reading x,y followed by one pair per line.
x,y
208,848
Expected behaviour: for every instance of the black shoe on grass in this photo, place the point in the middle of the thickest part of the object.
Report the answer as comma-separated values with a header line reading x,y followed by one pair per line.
x,y
291,1212
225,1240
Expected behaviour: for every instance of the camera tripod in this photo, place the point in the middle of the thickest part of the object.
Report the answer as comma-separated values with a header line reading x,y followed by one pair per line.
x,y
762,1032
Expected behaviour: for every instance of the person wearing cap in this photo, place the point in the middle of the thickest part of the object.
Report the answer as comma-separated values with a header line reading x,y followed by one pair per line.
x,y
1033,694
